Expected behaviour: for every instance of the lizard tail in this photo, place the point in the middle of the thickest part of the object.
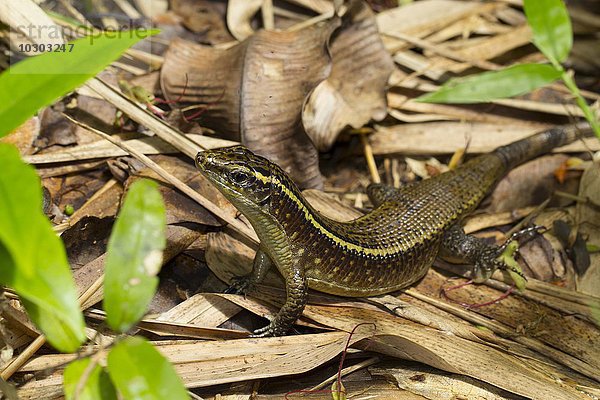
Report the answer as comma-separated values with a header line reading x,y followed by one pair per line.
x,y
526,149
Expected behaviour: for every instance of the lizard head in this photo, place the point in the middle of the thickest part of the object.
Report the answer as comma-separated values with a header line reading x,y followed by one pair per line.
x,y
243,177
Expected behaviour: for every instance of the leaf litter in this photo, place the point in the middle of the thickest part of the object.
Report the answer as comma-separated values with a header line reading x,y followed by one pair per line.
x,y
539,344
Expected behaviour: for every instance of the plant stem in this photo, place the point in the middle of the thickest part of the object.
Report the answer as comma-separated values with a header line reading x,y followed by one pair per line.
x,y
587,111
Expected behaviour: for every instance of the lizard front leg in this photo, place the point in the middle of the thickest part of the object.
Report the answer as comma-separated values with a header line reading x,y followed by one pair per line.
x,y
296,296
262,264
457,246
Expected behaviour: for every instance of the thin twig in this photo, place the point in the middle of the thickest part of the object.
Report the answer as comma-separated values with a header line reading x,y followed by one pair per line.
x,y
34,346
370,159
203,201
267,14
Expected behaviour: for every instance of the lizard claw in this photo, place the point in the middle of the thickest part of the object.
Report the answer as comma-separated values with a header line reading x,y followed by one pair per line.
x,y
525,232
274,328
240,285
501,258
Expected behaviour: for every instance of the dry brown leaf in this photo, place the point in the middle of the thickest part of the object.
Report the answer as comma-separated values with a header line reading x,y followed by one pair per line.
x,y
435,385
472,113
180,208
540,319
421,18
589,216
239,17
203,308
23,136
542,261
202,363
427,318
354,93
229,258
179,238
446,137
480,50
152,8
330,206
529,184
478,222
400,338
167,328
253,92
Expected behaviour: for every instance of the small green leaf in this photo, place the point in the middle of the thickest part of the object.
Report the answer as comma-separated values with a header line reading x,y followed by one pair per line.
x,y
512,81
134,255
513,270
32,258
592,248
551,26
140,372
96,383
338,394
40,80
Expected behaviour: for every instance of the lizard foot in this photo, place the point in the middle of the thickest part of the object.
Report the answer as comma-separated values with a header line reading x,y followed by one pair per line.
x,y
525,232
240,285
275,328
492,258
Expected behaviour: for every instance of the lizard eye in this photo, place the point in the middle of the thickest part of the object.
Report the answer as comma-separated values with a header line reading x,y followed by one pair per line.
x,y
241,178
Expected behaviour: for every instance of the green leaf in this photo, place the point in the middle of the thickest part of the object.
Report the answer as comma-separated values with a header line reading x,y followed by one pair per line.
x,y
338,394
40,80
140,372
513,271
32,258
551,26
96,383
512,81
134,255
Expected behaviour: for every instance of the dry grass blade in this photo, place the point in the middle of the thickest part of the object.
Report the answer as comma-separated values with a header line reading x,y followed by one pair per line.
x,y
400,338
235,223
446,137
504,331
431,384
210,309
426,318
141,116
29,20
105,149
201,363
420,18
39,341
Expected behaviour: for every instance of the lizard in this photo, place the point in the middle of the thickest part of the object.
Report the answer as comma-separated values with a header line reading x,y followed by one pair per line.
x,y
387,249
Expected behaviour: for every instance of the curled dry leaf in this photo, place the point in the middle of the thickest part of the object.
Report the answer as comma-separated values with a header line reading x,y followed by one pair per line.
x,y
239,17
355,92
253,92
